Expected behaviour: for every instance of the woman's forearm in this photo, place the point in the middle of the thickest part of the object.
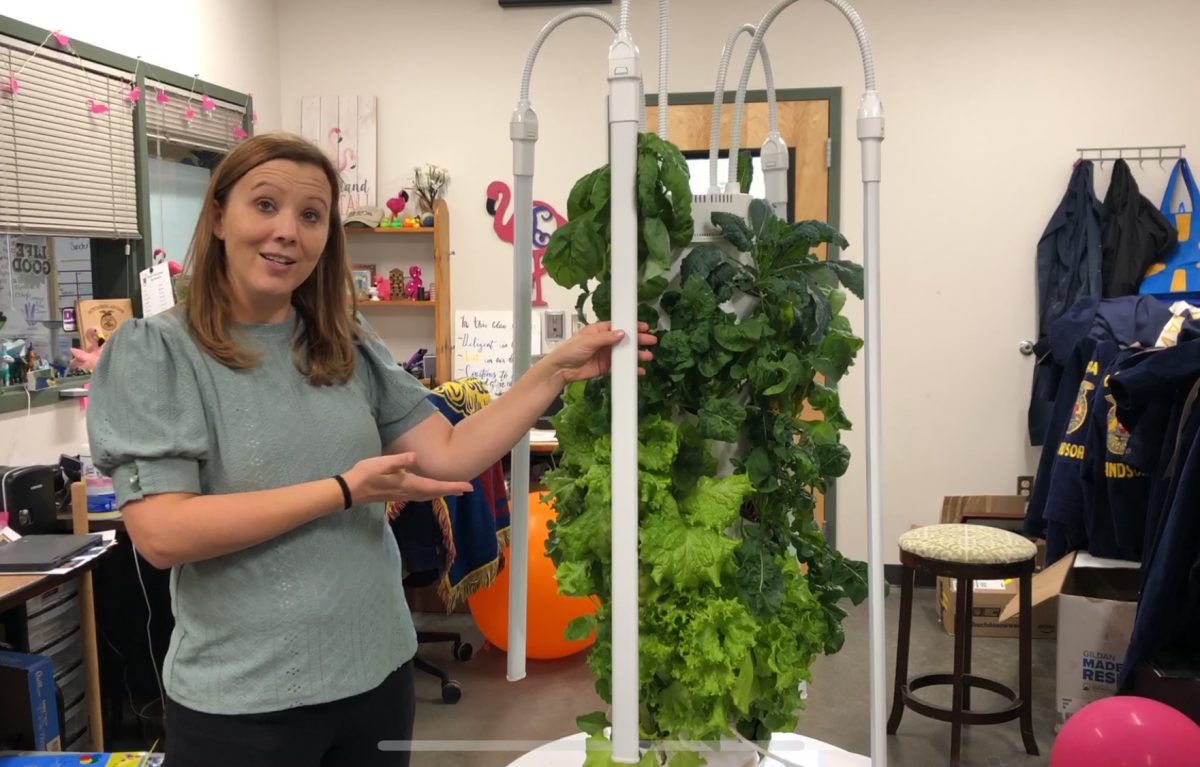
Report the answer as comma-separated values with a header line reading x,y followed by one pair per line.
x,y
487,435
176,528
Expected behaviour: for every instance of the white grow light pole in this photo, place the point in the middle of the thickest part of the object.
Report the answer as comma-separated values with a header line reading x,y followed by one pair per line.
x,y
870,136
624,108
523,130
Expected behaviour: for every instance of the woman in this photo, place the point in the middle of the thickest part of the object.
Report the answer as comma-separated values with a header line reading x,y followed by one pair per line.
x,y
253,435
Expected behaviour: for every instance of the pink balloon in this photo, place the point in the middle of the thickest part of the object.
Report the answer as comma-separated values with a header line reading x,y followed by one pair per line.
x,y
1127,731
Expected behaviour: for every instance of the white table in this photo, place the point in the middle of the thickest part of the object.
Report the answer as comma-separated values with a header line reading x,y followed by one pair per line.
x,y
797,749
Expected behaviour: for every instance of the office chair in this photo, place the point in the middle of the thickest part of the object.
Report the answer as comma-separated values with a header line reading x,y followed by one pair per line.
x,y
462,651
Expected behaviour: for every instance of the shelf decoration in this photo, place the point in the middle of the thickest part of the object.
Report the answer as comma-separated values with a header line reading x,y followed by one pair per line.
x,y
430,184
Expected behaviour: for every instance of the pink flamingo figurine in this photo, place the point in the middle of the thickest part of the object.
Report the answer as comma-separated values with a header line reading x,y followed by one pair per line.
x,y
96,107
499,198
413,287
161,96
239,132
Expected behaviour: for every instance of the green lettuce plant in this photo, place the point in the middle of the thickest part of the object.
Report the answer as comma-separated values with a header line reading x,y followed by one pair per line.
x,y
739,590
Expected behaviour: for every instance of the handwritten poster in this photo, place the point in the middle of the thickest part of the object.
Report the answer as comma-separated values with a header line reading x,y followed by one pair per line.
x,y
25,290
483,347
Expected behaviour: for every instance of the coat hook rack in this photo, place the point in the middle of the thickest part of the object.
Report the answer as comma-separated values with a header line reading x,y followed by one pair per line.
x,y
1139,153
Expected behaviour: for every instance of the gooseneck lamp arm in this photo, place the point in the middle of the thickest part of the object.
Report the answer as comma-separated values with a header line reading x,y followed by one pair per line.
x,y
523,130
714,142
870,136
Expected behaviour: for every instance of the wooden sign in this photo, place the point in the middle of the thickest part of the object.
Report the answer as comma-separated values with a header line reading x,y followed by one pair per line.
x,y
344,128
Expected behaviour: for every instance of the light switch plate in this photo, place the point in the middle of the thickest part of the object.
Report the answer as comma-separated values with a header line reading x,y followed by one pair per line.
x,y
555,324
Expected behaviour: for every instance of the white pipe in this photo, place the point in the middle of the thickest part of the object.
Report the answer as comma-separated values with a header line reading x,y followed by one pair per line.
x,y
864,48
523,130
624,17
664,47
714,142
624,74
870,136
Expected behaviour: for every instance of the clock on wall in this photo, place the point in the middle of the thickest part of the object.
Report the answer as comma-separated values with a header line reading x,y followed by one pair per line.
x,y
532,3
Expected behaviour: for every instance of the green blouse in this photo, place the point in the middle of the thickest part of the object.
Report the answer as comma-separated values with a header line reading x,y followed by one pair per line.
x,y
314,615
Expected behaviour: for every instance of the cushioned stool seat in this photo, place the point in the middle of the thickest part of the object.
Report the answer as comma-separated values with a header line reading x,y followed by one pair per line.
x,y
966,553
968,545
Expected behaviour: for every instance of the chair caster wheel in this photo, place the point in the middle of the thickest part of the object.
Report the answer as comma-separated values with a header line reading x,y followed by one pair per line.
x,y
451,692
462,652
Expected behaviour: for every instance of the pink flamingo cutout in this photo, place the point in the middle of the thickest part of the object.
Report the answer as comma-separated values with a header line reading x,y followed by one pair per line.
x,y
10,86
190,114
239,132
499,198
207,104
97,108
135,93
161,96
61,39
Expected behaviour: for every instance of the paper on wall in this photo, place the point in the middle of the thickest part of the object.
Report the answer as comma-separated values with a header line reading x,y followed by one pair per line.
x,y
483,346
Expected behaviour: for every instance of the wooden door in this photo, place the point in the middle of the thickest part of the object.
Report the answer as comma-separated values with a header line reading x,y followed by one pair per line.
x,y
807,124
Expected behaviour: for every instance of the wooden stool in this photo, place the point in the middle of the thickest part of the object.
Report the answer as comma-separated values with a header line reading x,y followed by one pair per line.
x,y
966,553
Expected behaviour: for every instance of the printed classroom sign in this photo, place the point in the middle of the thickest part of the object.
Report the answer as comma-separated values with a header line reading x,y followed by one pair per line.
x,y
483,347
344,128
25,292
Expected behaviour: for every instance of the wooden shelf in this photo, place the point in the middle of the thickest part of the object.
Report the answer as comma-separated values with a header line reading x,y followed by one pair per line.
x,y
402,302
388,230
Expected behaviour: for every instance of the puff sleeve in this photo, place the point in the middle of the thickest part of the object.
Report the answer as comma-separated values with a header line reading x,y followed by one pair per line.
x,y
146,420
398,400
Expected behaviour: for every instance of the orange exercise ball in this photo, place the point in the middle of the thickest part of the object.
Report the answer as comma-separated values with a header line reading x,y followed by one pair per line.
x,y
548,611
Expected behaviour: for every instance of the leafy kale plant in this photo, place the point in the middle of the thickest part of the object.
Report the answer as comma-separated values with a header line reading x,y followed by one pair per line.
x,y
738,432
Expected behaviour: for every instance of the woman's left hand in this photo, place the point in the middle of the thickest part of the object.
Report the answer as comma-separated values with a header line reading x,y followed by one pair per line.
x,y
588,353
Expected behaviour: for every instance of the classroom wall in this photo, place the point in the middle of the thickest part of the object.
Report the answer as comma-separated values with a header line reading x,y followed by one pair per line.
x,y
232,43
985,104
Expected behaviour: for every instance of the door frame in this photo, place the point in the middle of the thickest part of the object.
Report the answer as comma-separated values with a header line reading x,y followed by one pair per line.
x,y
833,191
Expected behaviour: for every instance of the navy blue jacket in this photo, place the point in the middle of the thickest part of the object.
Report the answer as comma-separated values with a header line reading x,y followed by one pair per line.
x,y
1068,268
1168,616
1056,506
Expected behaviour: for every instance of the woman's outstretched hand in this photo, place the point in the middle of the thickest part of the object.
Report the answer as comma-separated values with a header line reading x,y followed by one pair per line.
x,y
390,478
588,353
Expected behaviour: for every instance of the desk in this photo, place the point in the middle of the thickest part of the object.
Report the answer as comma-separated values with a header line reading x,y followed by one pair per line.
x,y
17,589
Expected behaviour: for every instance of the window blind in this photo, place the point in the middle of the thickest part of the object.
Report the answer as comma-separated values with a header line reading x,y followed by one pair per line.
x,y
63,169
214,129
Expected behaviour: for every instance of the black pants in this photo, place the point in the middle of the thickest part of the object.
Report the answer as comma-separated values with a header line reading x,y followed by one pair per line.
x,y
341,733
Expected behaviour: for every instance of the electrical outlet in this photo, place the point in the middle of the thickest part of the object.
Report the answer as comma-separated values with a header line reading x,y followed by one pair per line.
x,y
555,323
576,324
1024,485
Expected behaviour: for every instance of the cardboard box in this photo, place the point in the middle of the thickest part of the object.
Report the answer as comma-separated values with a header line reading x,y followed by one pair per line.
x,y
997,508
105,315
988,600
28,702
1097,600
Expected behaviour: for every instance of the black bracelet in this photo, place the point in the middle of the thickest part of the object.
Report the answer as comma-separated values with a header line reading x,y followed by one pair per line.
x,y
345,491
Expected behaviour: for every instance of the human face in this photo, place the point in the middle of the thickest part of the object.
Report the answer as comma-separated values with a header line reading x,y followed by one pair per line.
x,y
275,223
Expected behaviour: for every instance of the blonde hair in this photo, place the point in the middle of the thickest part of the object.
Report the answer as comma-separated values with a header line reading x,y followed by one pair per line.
x,y
325,351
